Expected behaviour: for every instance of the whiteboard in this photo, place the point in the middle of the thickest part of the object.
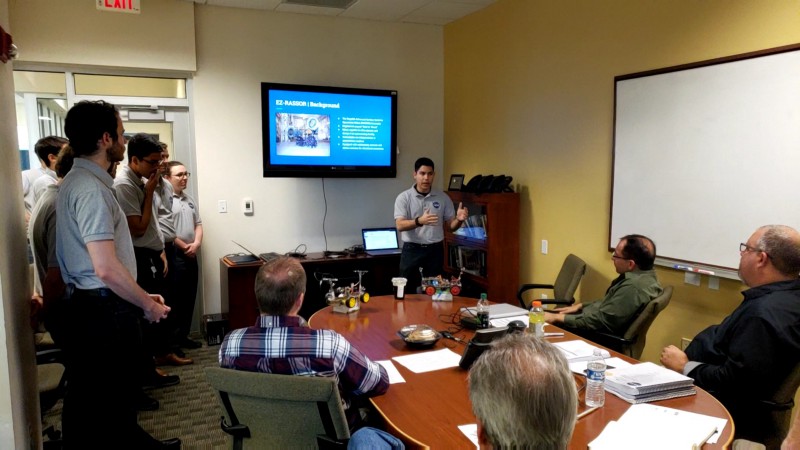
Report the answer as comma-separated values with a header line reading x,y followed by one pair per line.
x,y
706,153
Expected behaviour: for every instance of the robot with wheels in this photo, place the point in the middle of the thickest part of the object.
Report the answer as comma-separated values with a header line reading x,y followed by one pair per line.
x,y
440,288
346,299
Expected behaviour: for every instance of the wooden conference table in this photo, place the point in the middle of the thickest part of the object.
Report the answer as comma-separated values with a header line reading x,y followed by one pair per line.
x,y
427,409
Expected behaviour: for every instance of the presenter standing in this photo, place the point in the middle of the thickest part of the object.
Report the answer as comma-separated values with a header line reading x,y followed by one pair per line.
x,y
420,214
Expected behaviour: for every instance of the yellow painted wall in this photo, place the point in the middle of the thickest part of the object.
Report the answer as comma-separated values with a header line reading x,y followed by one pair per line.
x,y
529,92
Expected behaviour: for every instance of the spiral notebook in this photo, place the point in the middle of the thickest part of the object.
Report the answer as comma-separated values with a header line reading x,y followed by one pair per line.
x,y
646,378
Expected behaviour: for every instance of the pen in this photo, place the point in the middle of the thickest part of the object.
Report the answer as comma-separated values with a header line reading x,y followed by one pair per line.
x,y
593,409
700,445
556,334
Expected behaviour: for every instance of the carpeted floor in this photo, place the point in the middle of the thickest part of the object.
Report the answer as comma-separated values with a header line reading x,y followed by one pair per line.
x,y
189,410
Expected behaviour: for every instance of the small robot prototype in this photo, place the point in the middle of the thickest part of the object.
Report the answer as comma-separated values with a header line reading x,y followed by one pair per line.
x,y
441,289
346,299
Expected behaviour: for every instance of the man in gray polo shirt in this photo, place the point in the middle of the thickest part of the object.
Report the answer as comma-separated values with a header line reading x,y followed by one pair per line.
x,y
420,214
103,304
136,199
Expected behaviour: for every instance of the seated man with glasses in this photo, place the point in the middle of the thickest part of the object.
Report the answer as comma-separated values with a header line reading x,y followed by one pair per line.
x,y
746,358
628,294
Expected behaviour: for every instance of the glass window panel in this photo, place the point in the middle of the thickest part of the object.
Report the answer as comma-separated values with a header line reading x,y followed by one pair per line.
x,y
40,82
129,86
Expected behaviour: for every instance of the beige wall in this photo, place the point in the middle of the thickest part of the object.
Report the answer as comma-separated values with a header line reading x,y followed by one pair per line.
x,y
76,33
19,408
238,49
529,91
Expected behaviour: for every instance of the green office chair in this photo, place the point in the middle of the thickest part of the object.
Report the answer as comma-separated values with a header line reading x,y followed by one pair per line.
x,y
631,343
280,411
569,277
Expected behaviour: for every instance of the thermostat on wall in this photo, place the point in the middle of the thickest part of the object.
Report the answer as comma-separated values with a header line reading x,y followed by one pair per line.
x,y
247,206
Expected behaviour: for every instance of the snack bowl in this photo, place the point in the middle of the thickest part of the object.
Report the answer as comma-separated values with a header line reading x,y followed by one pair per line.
x,y
419,335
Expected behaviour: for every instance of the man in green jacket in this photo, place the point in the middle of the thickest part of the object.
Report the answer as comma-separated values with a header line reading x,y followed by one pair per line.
x,y
635,287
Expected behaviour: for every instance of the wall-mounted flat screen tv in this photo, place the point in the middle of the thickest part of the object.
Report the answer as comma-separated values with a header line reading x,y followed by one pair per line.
x,y
330,132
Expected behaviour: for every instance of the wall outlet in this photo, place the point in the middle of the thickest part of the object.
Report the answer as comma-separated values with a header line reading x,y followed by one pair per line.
x,y
544,246
222,206
685,343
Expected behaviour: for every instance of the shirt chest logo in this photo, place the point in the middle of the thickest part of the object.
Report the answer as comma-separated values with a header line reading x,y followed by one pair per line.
x,y
436,205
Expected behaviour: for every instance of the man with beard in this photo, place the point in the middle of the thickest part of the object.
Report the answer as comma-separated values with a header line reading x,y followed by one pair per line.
x,y
103,303
743,360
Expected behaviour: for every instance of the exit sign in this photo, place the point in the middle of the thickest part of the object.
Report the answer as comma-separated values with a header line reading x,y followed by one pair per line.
x,y
126,6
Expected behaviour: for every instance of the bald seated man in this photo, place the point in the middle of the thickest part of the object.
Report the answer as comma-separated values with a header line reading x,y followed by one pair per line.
x,y
745,358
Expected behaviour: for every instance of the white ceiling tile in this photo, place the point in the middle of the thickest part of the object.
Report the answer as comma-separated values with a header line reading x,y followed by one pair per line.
x,y
247,4
386,10
303,9
446,10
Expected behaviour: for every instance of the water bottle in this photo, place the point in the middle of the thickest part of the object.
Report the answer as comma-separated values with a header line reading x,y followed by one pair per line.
x,y
595,379
536,319
482,312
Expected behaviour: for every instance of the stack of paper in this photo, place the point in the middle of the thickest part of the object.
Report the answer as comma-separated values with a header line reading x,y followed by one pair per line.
x,y
658,428
647,382
578,350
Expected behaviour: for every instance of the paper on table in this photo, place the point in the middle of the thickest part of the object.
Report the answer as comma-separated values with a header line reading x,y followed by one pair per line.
x,y
471,432
429,361
504,321
580,366
391,370
578,350
655,427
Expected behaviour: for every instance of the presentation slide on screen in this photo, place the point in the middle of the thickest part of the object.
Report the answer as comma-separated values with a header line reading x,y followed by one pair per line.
x,y
313,128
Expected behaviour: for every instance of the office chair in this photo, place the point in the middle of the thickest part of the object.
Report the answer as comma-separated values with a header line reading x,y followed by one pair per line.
x,y
51,382
631,343
280,411
565,286
779,409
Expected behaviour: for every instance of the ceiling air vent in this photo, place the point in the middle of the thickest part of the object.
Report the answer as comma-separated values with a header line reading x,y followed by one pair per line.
x,y
340,4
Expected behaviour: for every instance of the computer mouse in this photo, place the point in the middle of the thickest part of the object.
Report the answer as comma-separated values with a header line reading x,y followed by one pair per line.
x,y
516,326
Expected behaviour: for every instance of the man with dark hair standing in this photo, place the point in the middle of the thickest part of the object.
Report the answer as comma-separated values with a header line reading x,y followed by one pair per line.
x,y
523,395
420,214
103,303
282,343
49,147
46,149
743,360
634,288
136,199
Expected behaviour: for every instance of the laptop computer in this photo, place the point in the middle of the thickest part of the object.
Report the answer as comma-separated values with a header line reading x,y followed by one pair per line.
x,y
380,241
250,257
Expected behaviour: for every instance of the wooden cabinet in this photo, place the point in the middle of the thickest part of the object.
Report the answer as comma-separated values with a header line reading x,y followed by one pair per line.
x,y
487,245
237,282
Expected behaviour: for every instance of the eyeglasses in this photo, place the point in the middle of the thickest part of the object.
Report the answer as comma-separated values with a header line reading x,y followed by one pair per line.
x,y
182,174
616,256
746,248
151,162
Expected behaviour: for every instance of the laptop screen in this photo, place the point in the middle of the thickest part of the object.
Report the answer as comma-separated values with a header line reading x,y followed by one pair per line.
x,y
379,238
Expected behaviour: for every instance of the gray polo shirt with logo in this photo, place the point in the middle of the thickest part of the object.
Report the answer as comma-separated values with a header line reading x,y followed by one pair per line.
x,y
186,216
87,211
411,204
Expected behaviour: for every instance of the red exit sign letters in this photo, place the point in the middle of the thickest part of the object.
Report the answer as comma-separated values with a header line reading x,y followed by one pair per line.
x,y
126,6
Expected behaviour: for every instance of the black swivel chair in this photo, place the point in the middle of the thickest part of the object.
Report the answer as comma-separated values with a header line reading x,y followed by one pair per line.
x,y
569,277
